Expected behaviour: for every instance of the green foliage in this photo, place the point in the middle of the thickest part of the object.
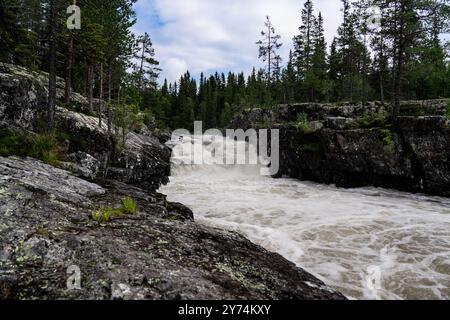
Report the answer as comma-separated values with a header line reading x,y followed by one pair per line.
x,y
314,72
370,120
12,143
129,206
39,146
128,117
44,147
105,214
388,140
303,125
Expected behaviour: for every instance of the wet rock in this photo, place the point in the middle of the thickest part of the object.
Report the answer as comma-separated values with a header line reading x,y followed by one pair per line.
x,y
179,211
47,230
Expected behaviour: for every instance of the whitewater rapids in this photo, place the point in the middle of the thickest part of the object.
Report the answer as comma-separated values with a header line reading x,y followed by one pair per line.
x,y
368,243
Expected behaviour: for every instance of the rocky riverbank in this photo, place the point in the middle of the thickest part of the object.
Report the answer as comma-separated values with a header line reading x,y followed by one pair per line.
x,y
355,145
47,230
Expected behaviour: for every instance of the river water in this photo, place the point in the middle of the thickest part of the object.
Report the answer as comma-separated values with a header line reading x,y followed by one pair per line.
x,y
368,243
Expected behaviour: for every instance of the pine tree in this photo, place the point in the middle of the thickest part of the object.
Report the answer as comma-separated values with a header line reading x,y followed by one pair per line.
x,y
405,22
320,87
268,48
53,23
147,70
335,70
303,43
289,80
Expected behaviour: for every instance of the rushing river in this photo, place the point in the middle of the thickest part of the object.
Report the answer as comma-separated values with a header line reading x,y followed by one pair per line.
x,y
368,243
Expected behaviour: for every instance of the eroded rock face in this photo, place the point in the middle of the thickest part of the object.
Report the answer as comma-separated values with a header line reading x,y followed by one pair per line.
x,y
45,228
19,101
24,94
412,157
144,162
82,165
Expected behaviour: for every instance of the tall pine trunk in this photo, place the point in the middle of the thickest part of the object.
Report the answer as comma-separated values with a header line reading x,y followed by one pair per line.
x,y
91,88
100,103
109,96
399,61
52,68
68,89
69,67
381,70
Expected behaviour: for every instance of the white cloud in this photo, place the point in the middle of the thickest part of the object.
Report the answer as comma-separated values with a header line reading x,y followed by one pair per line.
x,y
173,68
209,35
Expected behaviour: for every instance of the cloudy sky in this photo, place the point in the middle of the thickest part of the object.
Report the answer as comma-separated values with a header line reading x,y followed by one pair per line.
x,y
210,35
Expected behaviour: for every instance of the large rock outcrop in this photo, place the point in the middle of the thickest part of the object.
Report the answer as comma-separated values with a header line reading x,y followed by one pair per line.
x,y
412,156
142,161
46,231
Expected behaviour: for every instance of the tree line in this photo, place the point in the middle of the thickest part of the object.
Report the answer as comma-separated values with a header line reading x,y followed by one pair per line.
x,y
385,50
388,55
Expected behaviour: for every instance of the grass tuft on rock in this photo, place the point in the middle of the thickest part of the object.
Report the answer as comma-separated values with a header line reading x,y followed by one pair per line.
x,y
129,206
105,214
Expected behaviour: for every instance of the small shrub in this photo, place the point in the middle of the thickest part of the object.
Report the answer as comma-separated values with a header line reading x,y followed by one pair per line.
x,y
129,206
303,125
388,141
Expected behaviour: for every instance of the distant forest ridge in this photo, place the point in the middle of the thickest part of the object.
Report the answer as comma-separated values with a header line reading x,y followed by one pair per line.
x,y
386,50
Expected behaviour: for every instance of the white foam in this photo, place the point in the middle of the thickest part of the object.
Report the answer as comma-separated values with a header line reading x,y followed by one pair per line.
x,y
336,234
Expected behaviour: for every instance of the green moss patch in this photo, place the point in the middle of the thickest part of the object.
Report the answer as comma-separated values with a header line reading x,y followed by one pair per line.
x,y
373,120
